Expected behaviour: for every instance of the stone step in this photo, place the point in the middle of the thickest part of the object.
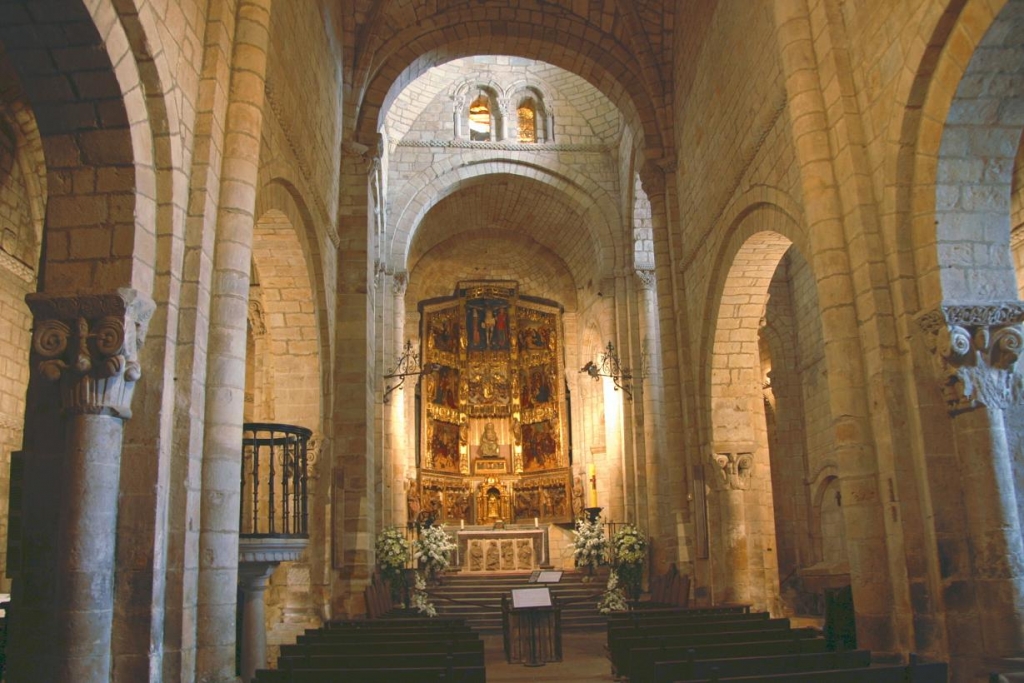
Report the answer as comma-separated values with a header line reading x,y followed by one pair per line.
x,y
457,592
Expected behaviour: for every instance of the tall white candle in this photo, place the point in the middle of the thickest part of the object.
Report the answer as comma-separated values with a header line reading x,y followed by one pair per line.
x,y
591,486
536,522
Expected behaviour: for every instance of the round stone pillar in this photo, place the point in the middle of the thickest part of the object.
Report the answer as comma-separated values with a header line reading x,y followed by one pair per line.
x,y
253,578
975,350
732,472
88,347
222,438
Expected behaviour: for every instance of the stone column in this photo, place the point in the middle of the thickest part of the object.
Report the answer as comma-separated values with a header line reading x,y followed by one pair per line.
x,y
731,474
222,438
397,420
652,503
253,578
507,110
975,349
459,115
880,608
89,347
666,384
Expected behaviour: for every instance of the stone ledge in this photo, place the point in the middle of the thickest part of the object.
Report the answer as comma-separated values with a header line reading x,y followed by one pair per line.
x,y
271,549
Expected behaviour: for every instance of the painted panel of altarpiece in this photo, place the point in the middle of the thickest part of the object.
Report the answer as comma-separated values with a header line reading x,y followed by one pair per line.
x,y
494,443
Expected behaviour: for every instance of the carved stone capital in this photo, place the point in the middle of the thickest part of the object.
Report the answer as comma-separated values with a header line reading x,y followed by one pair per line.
x,y
399,283
974,349
314,450
652,178
90,345
646,280
257,318
505,105
732,470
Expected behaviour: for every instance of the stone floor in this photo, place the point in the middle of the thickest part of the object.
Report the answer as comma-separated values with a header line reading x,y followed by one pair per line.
x,y
583,661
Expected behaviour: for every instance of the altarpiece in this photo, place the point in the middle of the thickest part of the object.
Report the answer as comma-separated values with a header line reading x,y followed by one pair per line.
x,y
494,438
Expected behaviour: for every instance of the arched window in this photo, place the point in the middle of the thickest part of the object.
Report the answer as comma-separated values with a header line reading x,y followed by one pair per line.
x,y
480,119
527,117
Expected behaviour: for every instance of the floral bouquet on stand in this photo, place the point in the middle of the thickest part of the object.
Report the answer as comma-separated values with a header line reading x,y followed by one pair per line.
x,y
613,599
420,600
392,551
589,545
433,551
629,550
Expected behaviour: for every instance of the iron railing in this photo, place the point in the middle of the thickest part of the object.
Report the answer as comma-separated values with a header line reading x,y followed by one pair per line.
x,y
274,480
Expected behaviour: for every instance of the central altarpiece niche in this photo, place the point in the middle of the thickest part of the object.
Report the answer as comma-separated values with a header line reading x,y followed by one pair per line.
x,y
493,447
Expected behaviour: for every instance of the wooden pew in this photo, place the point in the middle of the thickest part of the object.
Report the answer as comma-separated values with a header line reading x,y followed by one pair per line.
x,y
932,672
640,662
693,669
368,635
617,632
416,675
411,647
380,660
621,648
393,622
682,611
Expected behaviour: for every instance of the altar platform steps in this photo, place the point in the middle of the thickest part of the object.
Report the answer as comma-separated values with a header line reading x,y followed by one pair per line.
x,y
477,598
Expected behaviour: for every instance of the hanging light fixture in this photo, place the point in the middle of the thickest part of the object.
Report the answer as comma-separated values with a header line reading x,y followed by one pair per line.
x,y
407,365
608,365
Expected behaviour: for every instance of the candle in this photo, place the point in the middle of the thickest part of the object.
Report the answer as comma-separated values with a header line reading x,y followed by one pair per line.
x,y
462,524
591,486
536,522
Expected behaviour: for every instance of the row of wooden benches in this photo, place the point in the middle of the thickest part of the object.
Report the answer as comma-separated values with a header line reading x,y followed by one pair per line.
x,y
732,644
400,650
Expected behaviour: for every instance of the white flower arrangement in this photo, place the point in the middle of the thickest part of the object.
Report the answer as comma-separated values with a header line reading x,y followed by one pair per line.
x,y
433,550
613,599
629,546
629,550
392,552
590,547
420,600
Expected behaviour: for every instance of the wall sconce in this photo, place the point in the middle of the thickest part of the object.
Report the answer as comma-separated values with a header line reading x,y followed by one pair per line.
x,y
407,365
608,365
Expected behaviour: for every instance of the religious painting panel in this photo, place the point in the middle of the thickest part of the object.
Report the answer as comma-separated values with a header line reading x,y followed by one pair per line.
x,y
443,447
487,324
536,386
540,446
488,388
443,334
442,387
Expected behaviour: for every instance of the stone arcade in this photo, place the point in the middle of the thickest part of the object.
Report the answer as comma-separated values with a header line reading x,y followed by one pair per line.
x,y
784,238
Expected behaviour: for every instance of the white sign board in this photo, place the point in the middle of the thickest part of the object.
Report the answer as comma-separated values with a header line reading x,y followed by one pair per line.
x,y
531,597
549,577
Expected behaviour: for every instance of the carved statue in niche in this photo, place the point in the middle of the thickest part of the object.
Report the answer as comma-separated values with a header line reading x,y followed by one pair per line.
x,y
577,496
476,556
412,497
493,504
526,504
525,552
493,562
456,504
489,447
508,557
